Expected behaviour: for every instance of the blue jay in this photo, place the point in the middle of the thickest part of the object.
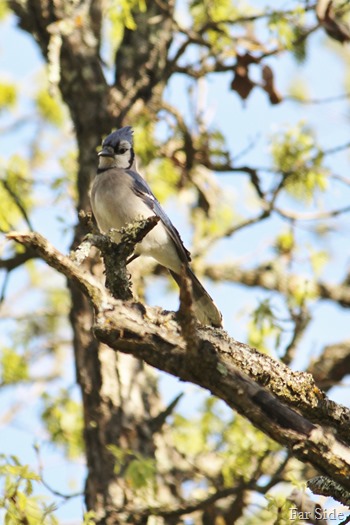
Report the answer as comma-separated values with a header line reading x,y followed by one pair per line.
x,y
119,196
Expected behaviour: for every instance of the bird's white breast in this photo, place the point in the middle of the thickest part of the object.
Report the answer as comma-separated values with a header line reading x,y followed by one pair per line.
x,y
115,205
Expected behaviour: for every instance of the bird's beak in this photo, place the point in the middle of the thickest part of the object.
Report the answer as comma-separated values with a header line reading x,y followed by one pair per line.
x,y
106,152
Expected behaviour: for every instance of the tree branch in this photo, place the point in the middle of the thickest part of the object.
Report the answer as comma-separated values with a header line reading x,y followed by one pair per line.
x,y
63,264
153,335
332,365
267,277
325,487
11,263
311,216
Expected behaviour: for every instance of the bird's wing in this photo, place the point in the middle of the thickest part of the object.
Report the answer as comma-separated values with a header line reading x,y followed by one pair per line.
x,y
142,189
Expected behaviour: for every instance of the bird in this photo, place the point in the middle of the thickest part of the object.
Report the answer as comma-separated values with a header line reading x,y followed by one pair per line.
x,y
120,196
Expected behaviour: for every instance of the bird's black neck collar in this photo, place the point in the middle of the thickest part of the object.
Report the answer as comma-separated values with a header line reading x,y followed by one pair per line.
x,y
132,158
102,170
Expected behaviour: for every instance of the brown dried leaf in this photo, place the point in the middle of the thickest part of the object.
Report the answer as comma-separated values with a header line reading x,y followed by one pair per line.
x,y
269,85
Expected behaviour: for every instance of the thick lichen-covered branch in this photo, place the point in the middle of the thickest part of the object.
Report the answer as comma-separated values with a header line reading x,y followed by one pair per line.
x,y
223,366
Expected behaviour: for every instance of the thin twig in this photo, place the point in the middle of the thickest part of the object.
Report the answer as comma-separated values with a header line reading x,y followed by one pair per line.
x,y
47,486
16,199
316,101
312,216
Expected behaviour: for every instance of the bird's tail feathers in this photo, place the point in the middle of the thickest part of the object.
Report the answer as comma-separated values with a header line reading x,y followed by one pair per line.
x,y
204,307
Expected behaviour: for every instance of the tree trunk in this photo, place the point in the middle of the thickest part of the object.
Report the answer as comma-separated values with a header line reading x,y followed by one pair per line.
x,y
119,393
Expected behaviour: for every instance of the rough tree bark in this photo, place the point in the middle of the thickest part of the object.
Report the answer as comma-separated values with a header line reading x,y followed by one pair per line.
x,y
120,396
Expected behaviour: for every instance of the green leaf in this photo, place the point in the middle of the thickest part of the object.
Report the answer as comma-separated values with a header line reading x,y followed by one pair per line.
x,y
49,108
141,472
285,242
298,89
147,149
63,419
13,366
120,455
284,30
215,224
29,488
163,176
264,327
89,518
204,12
21,471
188,436
289,31
244,448
298,157
8,92
17,501
120,14
318,260
15,192
4,10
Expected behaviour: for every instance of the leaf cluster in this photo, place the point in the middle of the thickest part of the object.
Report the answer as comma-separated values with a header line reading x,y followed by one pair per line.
x,y
298,157
20,506
225,446
63,419
138,470
8,95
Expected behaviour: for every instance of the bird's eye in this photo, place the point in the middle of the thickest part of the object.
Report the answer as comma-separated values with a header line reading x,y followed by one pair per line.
x,y
121,151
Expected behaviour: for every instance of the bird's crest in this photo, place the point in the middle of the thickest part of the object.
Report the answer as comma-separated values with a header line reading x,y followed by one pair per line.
x,y
121,134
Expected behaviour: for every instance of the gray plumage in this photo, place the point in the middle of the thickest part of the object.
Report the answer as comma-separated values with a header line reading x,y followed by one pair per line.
x,y
120,195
